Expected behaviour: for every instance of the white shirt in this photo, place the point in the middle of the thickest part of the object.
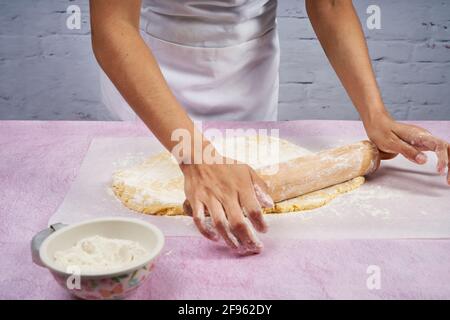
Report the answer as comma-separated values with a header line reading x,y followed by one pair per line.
x,y
205,23
220,58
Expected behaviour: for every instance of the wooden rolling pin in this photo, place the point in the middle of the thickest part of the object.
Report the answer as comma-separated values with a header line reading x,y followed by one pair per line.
x,y
320,170
313,172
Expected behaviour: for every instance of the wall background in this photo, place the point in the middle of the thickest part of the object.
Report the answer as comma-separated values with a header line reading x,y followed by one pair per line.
x,y
48,71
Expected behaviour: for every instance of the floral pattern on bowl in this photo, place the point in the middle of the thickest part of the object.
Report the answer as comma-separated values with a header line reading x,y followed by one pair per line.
x,y
115,287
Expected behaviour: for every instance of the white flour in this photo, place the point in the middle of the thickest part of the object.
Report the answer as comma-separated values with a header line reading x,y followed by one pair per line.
x,y
97,253
366,201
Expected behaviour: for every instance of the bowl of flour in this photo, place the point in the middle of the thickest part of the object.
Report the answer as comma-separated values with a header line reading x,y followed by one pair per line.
x,y
106,258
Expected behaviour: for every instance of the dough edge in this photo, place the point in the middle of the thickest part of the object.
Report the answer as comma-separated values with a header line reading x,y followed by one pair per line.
x,y
309,201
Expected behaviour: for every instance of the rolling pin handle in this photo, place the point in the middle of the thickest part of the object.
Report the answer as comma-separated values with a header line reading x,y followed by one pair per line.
x,y
376,157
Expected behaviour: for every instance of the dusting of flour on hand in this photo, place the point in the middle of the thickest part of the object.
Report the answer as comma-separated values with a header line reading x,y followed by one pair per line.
x,y
98,253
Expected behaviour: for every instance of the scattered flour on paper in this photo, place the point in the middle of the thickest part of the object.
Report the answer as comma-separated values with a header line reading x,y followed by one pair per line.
x,y
363,202
129,159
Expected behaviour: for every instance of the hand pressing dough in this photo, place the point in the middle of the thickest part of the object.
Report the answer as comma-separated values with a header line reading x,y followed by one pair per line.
x,y
156,185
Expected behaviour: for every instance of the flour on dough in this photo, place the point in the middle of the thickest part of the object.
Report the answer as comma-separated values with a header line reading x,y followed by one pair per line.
x,y
156,185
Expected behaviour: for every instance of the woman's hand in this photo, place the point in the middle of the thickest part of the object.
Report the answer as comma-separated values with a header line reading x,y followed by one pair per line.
x,y
393,138
230,193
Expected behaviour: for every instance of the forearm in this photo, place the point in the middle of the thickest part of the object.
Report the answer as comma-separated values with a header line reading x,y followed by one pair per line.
x,y
129,63
341,36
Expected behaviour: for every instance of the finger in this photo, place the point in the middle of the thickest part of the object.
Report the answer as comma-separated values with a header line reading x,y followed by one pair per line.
x,y
253,249
442,155
252,209
221,223
261,191
263,198
410,153
197,211
431,143
423,140
242,230
257,180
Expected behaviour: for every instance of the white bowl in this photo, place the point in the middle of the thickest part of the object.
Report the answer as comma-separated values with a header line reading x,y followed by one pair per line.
x,y
111,284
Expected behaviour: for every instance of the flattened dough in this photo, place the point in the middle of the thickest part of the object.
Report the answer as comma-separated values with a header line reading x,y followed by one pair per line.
x,y
156,185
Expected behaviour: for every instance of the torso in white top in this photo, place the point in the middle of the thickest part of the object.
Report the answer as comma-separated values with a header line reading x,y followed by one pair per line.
x,y
220,58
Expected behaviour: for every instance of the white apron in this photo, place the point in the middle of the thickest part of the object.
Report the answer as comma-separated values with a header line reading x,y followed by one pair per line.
x,y
220,58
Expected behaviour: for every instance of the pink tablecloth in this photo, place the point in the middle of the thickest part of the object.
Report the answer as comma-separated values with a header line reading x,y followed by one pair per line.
x,y
39,160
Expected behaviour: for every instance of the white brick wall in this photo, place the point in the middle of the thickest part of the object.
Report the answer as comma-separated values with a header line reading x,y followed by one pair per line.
x,y
411,55
49,72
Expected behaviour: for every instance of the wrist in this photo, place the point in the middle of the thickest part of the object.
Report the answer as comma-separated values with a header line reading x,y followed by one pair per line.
x,y
204,153
375,115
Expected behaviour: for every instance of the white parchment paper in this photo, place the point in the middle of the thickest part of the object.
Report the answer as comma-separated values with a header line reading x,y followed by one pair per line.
x,y
401,200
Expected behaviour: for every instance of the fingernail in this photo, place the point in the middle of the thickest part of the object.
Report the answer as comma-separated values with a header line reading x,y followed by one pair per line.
x,y
242,251
421,158
256,244
210,229
214,236
248,250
